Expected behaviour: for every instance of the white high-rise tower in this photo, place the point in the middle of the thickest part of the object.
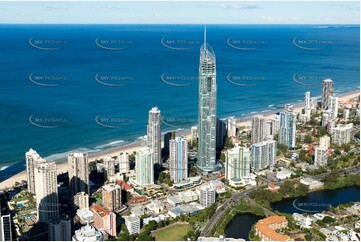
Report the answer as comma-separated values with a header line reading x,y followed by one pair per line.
x,y
207,103
153,134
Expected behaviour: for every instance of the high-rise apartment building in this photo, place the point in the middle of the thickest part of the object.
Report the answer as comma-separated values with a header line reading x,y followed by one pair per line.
x,y
178,159
333,106
31,158
104,220
81,200
207,196
287,132
342,134
238,163
207,109
259,129
153,134
109,167
144,167
112,197
5,227
46,188
263,155
78,169
59,229
231,127
327,91
123,160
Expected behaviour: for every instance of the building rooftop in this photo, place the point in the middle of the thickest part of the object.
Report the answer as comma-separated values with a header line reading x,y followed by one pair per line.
x,y
99,209
132,218
263,226
125,185
111,187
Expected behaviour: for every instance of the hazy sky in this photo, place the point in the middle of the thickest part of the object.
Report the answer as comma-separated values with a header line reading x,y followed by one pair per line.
x,y
181,12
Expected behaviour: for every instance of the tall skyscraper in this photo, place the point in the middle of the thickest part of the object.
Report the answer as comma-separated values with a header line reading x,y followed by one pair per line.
x,y
207,111
31,158
259,129
5,227
238,163
123,160
78,170
112,197
46,187
178,159
153,134
207,196
109,167
60,229
263,154
287,133
327,91
333,106
231,127
314,103
144,168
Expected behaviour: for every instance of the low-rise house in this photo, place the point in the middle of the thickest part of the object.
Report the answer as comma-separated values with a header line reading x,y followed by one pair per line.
x,y
273,187
265,228
283,174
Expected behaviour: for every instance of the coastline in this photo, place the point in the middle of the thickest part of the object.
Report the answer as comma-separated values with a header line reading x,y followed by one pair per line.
x,y
133,146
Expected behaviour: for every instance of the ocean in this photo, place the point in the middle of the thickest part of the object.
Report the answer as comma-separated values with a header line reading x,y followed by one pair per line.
x,y
90,87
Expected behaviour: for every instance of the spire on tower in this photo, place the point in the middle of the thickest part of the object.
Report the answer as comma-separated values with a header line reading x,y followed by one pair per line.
x,y
205,37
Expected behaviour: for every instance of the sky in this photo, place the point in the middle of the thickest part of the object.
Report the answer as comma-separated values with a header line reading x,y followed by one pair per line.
x,y
214,12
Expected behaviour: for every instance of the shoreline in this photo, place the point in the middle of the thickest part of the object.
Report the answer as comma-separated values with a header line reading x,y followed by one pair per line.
x,y
133,146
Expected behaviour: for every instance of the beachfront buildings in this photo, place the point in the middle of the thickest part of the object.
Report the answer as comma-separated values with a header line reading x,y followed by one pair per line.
x,y
109,167
153,134
31,158
207,109
333,106
59,229
327,91
238,164
231,127
144,168
88,233
342,134
133,224
112,197
78,170
104,220
287,132
207,196
123,161
178,159
81,200
46,188
263,155
259,129
5,227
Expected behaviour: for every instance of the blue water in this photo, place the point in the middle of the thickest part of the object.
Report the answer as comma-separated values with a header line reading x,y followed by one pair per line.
x,y
319,201
77,99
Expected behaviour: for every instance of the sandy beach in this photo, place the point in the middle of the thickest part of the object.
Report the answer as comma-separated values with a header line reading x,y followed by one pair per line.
x,y
131,147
